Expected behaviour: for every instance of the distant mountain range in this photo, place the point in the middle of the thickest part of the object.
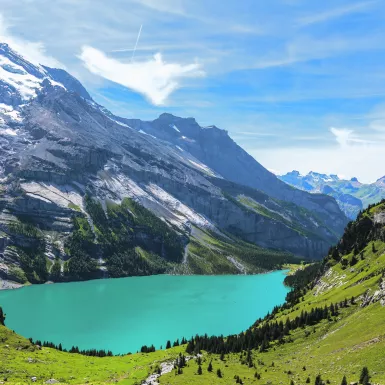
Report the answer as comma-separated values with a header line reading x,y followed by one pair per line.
x,y
351,195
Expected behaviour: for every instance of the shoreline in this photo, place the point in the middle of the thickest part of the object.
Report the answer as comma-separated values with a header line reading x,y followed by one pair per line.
x,y
11,285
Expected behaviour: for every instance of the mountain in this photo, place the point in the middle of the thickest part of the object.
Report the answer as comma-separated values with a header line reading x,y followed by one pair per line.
x,y
87,194
351,195
330,330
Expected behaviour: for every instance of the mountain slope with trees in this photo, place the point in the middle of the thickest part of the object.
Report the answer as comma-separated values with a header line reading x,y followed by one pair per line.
x,y
59,148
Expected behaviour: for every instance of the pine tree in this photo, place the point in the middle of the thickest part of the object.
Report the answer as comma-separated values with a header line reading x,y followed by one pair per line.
x,y
344,381
200,370
210,367
364,376
318,380
168,344
373,248
308,380
2,317
219,373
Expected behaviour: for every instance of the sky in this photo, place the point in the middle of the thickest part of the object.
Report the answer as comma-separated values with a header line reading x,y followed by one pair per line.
x,y
298,84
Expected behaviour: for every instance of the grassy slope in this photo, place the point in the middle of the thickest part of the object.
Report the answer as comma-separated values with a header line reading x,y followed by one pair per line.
x,y
355,339
18,366
342,346
210,253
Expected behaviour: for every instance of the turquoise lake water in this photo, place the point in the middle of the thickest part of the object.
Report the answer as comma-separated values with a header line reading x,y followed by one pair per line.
x,y
123,314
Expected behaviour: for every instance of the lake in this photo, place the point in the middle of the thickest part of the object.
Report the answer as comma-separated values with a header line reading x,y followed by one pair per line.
x,y
123,314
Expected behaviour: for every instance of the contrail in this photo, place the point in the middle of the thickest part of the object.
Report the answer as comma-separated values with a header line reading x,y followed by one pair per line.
x,y
136,44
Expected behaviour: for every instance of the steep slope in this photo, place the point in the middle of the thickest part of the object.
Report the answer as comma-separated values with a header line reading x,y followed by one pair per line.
x,y
331,326
351,195
214,147
59,147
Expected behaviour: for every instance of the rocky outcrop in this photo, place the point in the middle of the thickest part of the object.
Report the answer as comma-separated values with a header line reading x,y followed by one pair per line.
x,y
377,296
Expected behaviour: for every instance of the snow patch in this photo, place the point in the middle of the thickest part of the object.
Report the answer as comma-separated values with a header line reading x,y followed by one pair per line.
x,y
145,133
25,84
175,127
8,132
202,167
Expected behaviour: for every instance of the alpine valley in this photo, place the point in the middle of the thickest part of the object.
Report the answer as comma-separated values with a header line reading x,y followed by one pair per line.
x,y
87,194
330,330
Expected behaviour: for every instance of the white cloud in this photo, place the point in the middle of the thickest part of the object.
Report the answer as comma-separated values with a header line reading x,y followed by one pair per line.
x,y
32,51
320,17
352,154
153,78
346,137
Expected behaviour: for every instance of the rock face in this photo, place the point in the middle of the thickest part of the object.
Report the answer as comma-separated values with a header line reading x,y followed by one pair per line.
x,y
377,296
351,195
57,144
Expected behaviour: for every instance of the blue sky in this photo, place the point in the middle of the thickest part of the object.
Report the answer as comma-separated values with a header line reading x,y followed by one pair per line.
x,y
298,84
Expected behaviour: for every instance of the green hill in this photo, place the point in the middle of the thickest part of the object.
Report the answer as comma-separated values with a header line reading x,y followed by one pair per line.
x,y
332,325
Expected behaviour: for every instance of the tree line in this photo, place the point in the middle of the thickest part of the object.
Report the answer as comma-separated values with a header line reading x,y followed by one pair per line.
x,y
74,349
262,334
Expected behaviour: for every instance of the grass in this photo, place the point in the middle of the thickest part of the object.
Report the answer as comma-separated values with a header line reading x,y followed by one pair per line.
x,y
20,361
74,207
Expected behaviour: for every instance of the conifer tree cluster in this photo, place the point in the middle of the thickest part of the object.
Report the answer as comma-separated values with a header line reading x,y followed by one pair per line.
x,y
261,334
147,349
74,349
180,363
358,234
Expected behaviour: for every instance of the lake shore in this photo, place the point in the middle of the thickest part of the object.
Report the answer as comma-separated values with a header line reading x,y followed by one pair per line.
x,y
133,309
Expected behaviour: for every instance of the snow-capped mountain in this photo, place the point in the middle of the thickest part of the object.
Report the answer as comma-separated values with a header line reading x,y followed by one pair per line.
x,y
351,195
59,146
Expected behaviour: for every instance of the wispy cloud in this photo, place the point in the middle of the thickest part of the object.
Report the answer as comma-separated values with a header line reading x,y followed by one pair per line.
x,y
335,13
307,48
35,52
153,78
169,6
346,137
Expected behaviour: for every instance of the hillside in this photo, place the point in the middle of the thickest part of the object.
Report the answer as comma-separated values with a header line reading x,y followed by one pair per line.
x,y
331,326
351,195
71,173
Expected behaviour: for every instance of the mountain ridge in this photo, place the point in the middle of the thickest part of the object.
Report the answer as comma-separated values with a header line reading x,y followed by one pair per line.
x,y
351,195
60,146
